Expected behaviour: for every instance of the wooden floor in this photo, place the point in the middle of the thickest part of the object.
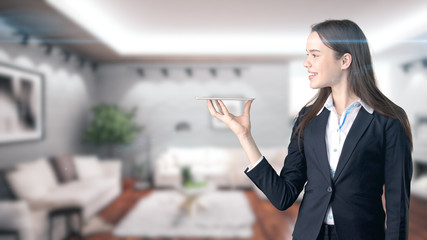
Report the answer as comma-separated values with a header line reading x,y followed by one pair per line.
x,y
271,224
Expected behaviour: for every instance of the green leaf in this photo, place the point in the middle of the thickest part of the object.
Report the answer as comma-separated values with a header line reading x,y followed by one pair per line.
x,y
111,125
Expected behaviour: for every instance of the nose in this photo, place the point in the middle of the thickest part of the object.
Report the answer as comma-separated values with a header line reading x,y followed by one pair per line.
x,y
306,62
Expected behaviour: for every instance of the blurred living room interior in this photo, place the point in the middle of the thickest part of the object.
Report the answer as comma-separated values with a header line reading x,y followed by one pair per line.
x,y
101,135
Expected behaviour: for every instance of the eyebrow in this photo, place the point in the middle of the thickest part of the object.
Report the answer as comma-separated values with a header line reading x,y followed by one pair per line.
x,y
313,50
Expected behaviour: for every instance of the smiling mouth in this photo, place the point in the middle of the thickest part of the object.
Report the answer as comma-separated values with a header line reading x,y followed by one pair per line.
x,y
312,75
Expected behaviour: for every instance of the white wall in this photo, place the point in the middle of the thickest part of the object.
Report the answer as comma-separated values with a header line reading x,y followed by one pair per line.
x,y
164,101
68,95
410,89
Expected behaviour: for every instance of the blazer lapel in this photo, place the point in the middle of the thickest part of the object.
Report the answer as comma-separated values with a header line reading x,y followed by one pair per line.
x,y
318,130
359,126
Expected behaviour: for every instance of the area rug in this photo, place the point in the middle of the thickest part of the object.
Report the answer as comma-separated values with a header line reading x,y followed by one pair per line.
x,y
227,214
96,225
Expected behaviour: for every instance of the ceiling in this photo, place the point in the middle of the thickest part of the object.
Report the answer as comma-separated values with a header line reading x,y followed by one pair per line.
x,y
203,30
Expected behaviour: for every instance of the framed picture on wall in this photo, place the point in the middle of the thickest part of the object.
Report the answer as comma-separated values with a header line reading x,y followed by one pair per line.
x,y
21,104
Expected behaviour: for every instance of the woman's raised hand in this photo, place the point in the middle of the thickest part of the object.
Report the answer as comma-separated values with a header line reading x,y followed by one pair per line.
x,y
240,125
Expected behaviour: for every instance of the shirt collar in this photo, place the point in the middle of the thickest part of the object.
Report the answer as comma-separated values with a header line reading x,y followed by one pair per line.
x,y
329,103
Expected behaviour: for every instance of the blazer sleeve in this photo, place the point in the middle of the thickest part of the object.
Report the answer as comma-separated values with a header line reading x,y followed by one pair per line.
x,y
282,190
398,174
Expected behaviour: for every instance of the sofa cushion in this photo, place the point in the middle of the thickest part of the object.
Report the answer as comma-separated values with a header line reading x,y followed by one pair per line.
x,y
64,168
87,167
168,161
65,195
44,171
188,156
27,184
217,157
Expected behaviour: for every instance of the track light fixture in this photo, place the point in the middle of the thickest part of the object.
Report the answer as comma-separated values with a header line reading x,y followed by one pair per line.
x,y
237,72
214,72
82,62
189,72
94,66
407,66
48,48
67,55
25,37
140,72
165,72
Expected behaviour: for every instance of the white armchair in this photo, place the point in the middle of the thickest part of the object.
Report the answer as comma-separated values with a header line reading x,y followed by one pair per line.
x,y
17,216
38,192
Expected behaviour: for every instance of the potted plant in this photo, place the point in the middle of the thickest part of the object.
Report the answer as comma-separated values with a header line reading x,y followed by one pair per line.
x,y
188,181
111,126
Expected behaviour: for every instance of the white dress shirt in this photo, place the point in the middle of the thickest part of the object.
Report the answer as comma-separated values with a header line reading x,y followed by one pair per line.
x,y
337,129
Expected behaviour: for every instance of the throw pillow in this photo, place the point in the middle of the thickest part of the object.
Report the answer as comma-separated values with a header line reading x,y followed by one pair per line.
x,y
64,168
43,169
87,167
27,184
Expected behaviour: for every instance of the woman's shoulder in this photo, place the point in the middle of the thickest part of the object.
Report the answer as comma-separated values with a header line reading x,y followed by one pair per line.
x,y
387,121
304,110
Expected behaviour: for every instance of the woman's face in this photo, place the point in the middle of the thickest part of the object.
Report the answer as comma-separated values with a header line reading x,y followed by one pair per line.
x,y
323,67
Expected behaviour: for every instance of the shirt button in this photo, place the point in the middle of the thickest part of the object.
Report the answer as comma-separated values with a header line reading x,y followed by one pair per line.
x,y
335,150
329,189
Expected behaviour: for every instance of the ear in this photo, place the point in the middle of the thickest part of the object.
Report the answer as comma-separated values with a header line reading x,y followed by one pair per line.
x,y
346,60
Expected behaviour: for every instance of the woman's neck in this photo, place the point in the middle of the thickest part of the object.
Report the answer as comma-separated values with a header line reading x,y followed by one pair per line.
x,y
343,98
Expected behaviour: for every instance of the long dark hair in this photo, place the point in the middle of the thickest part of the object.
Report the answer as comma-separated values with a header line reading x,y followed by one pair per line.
x,y
344,36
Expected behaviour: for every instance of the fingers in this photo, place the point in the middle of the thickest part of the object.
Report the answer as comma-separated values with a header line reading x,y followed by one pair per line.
x,y
247,108
223,108
211,108
219,115
219,107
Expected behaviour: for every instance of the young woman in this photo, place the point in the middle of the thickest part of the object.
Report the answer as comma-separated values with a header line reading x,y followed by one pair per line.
x,y
348,144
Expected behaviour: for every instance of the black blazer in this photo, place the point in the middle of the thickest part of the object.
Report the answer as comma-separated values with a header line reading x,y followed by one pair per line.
x,y
375,152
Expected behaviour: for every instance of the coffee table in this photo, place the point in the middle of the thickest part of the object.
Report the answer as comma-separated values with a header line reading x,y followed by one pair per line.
x,y
192,197
68,213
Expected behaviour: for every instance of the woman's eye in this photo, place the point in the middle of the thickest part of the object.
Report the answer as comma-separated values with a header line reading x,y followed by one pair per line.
x,y
315,55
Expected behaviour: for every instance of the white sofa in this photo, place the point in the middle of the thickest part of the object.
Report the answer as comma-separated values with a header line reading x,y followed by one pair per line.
x,y
38,191
223,167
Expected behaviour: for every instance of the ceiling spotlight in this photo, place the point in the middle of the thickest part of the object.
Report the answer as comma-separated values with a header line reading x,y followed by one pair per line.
x,y
25,37
82,62
140,72
406,67
67,55
94,66
237,72
213,72
49,48
165,72
189,72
